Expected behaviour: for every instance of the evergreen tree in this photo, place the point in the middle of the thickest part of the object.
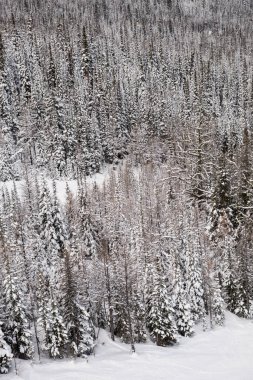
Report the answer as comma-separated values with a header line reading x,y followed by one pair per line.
x,y
56,331
195,287
217,304
159,310
16,329
58,225
51,229
87,230
80,328
236,297
183,317
5,354
50,316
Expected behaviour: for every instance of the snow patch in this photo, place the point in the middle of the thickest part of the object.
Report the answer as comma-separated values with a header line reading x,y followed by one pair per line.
x,y
224,353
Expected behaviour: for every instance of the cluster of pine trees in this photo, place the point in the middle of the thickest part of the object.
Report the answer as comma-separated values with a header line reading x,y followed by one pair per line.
x,y
136,255
81,82
159,92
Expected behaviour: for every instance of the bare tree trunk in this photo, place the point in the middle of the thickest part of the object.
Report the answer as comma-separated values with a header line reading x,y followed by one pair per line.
x,y
105,245
128,307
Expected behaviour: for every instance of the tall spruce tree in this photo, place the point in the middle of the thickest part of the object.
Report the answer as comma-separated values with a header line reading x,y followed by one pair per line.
x,y
5,354
159,310
16,328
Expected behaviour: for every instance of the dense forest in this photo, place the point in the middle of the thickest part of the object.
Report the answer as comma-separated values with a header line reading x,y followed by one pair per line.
x,y
159,95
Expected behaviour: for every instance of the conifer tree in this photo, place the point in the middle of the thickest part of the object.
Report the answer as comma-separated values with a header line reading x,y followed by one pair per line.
x,y
59,230
195,287
50,317
159,310
87,229
56,331
51,229
223,212
183,316
5,354
217,305
80,328
236,296
16,330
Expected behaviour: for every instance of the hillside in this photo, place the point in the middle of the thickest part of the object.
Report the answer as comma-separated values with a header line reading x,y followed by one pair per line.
x,y
126,184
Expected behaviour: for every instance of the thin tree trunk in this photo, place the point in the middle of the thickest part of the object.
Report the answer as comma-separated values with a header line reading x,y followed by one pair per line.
x,y
128,308
108,286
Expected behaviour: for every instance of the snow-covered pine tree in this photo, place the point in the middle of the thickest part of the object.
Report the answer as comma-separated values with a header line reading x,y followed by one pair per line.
x,y
56,331
218,306
94,146
230,278
70,216
50,316
52,233
223,215
236,297
87,230
195,287
80,329
6,165
16,329
183,316
243,263
60,234
159,310
138,312
60,134
15,298
5,354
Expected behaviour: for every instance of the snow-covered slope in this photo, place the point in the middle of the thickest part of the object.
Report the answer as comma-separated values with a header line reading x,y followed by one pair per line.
x,y
98,179
224,353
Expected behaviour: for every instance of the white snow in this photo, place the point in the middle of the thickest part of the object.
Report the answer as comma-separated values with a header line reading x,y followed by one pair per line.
x,y
224,353
98,179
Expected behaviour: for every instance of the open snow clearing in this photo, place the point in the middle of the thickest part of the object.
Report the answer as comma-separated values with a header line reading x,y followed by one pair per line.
x,y
224,353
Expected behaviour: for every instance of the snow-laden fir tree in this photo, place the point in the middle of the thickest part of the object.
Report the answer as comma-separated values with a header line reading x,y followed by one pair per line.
x,y
52,232
50,317
183,316
87,333
70,217
60,234
15,299
87,230
231,276
218,306
56,331
139,330
5,354
194,287
6,166
159,311
80,329
16,329
236,296
223,215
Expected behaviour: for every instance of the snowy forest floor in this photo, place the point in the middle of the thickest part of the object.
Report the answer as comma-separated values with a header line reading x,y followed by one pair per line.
x,y
224,353
97,178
